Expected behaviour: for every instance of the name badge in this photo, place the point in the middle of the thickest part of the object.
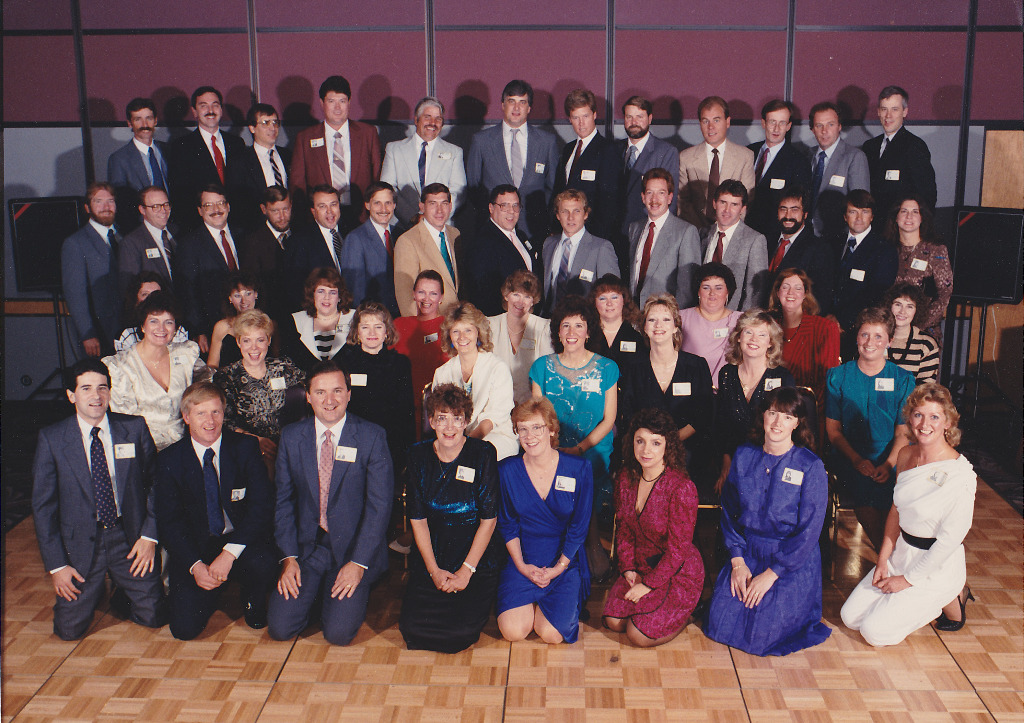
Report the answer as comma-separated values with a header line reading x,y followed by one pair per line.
x,y
345,454
588,175
919,265
680,389
124,451
885,384
430,338
792,476
527,344
444,156
177,361
777,183
892,175
938,478
316,142
627,346
857,274
770,384
465,474
238,494
720,333
565,484
358,380
539,168
839,181
278,383
152,253
590,385
586,275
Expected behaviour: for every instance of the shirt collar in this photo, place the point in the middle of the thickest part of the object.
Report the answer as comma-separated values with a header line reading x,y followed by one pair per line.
x,y
506,130
207,136
574,240
588,139
215,232
336,430
156,233
86,427
639,145
659,223
142,147
329,132
100,228
859,236
829,150
201,449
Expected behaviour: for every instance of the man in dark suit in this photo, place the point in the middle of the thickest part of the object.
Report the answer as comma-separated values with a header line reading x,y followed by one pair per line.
x,y
203,157
92,502
517,153
261,165
139,163
641,151
334,485
777,164
836,169
151,246
89,276
367,256
316,246
497,250
798,248
205,257
339,152
215,512
900,162
591,163
731,242
266,249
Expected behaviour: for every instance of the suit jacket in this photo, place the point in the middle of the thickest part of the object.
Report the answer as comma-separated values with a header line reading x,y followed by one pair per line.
x,y
401,170
139,253
878,259
307,251
737,163
487,167
200,272
249,183
909,157
813,255
368,270
789,167
265,259
656,154
674,260
63,497
191,167
89,279
594,258
129,174
246,496
845,171
359,502
747,258
415,251
490,258
602,164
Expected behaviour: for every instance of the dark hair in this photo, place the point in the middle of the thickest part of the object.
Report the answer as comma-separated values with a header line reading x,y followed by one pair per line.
x,y
137,104
638,101
336,84
376,187
203,90
518,87
323,188
211,188
523,281
275,193
95,187
890,90
732,187
712,269
83,366
325,276
579,98
876,315
237,280
429,275
656,421
910,291
451,398
147,190
792,401
859,198
574,305
159,302
257,110
433,188
821,108
927,230
656,173
795,190
501,189
611,282
713,100
777,104
131,297
326,367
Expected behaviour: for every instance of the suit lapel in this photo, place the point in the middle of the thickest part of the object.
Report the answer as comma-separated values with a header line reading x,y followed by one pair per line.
x,y
227,471
311,460
74,455
410,157
582,254
702,162
324,159
338,474
119,435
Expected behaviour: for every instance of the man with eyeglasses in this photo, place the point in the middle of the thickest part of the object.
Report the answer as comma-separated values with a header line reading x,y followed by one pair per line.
x,y
139,163
151,246
778,164
498,249
261,165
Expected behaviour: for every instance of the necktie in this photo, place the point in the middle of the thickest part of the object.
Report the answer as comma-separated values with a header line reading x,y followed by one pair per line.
x,y
338,172
851,244
336,243
112,240
446,255
881,151
326,467
422,165
106,509
779,253
819,172
563,268
720,248
154,167
713,180
214,513
278,178
516,155
218,158
631,158
282,240
387,243
228,256
575,157
645,259
761,157
168,250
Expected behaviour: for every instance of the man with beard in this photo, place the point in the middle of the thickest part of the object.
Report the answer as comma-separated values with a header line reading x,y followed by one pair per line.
x,y
642,151
799,248
265,248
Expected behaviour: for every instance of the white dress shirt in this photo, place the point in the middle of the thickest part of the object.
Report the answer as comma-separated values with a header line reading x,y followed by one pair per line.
x,y
713,241
506,139
263,154
232,548
215,232
659,223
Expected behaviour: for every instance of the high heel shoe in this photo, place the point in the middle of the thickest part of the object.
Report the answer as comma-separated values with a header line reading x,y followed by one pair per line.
x,y
951,626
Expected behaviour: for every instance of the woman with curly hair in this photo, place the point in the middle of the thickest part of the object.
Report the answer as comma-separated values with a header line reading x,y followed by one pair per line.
x,y
320,329
619,340
520,337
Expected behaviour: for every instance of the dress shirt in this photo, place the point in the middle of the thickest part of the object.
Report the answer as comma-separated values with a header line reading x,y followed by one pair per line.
x,y
586,142
638,259
220,144
215,232
320,428
430,153
859,238
346,147
329,240
380,232
277,234
708,148
158,236
436,236
108,450
574,245
713,241
101,230
506,138
511,235
639,145
828,154
773,151
263,154
232,548
144,150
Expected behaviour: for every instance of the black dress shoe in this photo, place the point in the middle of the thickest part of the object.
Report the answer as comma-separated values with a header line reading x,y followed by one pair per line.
x,y
951,626
120,605
255,615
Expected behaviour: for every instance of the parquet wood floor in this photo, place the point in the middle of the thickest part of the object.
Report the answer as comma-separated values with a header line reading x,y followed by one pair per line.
x,y
124,672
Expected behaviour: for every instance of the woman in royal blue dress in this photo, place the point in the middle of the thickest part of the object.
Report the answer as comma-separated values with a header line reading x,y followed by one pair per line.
x,y
773,506
546,497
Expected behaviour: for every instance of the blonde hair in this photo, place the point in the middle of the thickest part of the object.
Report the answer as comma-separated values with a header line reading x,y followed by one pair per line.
x,y
756,317
934,392
373,308
252,319
200,392
465,311
669,302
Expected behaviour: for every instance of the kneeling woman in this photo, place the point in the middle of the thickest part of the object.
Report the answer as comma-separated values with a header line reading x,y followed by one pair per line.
x,y
773,507
656,510
546,498
453,503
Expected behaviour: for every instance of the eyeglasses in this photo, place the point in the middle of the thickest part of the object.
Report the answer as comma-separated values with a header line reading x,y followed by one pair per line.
x,y
266,122
506,207
158,206
532,430
214,204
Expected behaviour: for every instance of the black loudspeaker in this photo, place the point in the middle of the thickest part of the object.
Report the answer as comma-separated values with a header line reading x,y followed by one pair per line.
x,y
38,229
987,255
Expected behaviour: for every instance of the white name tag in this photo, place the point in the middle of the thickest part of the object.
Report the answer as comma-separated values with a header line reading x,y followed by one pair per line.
x,y
465,474
586,275
793,476
588,175
919,265
539,168
777,183
177,361
885,384
316,142
345,454
892,175
152,253
527,344
358,380
680,389
124,451
770,384
565,484
720,333
857,274
444,156
837,181
278,383
430,338
627,346
938,478
238,494
590,385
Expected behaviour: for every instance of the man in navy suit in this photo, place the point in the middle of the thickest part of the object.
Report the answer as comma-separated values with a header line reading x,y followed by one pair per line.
x,y
266,247
836,169
260,166
215,511
367,257
316,246
733,243
89,276
777,164
139,163
796,247
334,485
641,151
92,502
516,153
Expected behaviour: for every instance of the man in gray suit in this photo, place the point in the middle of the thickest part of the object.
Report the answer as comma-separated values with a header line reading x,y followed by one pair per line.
x,y
741,248
151,246
664,250
519,154
836,169
92,503
641,152
137,164
412,164
574,259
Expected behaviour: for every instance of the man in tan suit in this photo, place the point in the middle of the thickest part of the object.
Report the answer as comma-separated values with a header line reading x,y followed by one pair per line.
x,y
430,244
704,166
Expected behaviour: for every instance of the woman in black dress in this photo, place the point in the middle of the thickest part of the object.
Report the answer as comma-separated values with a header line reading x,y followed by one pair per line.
x,y
619,340
453,508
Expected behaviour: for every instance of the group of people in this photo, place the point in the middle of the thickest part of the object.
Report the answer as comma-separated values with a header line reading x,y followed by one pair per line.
x,y
616,340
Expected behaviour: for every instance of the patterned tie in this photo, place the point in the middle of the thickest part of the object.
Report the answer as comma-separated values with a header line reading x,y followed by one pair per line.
x,y
387,243
719,249
575,157
516,154
228,256
421,164
779,253
168,244
713,181
278,178
336,243
819,172
326,467
338,172
851,244
218,158
562,280
631,158
154,168
645,260
282,240
106,509
446,255
759,168
214,513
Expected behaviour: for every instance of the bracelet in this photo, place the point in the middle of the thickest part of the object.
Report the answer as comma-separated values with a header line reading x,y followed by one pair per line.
x,y
743,564
471,568
563,564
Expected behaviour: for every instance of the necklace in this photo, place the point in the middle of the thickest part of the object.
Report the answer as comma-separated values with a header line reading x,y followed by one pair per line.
x,y
662,474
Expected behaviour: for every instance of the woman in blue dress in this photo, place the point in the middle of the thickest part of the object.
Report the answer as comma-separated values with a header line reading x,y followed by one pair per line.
x,y
544,513
768,602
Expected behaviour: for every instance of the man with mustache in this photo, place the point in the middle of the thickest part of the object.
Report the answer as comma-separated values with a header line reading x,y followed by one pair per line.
x,y
642,151
140,163
798,248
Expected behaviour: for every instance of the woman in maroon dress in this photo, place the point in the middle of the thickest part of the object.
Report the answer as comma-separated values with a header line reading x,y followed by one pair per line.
x,y
662,573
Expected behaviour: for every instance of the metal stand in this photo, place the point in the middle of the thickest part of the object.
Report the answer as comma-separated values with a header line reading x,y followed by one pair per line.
x,y
61,356
958,385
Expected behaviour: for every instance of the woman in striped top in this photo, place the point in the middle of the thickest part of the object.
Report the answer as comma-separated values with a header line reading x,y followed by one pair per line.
x,y
319,330
911,348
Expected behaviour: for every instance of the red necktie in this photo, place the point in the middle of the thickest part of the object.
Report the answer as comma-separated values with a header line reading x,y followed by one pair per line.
x,y
759,169
713,179
720,248
777,258
228,256
387,243
218,159
575,157
645,260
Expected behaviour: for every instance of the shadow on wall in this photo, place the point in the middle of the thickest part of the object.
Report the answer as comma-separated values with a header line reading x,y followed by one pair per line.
x,y
297,97
387,111
854,102
947,102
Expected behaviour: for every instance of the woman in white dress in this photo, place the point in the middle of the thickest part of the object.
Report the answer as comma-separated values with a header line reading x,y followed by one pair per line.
x,y
520,338
922,570
466,335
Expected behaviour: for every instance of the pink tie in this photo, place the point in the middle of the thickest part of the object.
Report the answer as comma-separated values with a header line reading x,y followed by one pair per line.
x,y
326,468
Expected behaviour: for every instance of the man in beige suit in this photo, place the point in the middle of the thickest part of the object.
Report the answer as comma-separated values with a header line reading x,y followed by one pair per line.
x,y
430,244
704,166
